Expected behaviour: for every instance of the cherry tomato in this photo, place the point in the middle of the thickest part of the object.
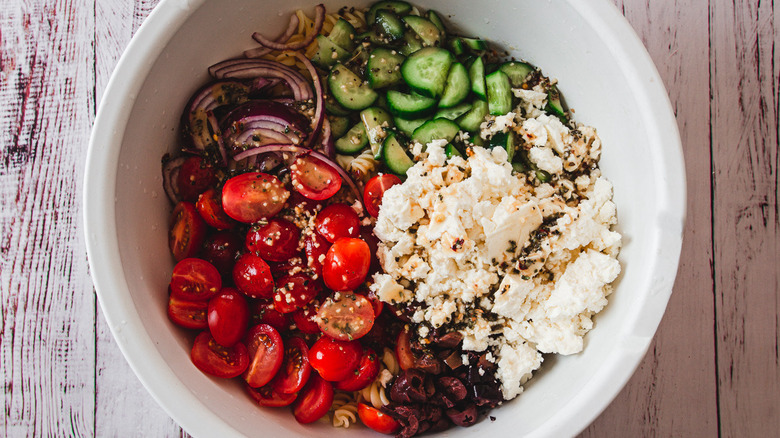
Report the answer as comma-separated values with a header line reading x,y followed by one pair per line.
x,y
265,349
375,190
314,400
195,176
346,316
314,179
294,292
218,360
221,249
228,316
305,318
195,280
252,276
252,196
209,206
337,220
346,264
188,314
335,360
376,303
275,241
295,370
365,373
315,247
377,420
300,204
403,349
265,396
288,267
367,234
263,312
186,231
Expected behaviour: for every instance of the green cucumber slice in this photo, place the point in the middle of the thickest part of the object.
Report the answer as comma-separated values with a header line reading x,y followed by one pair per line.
x,y
427,31
499,93
457,88
349,90
425,71
457,46
384,68
436,20
504,140
339,125
409,106
407,126
554,105
451,151
399,7
388,25
343,35
471,120
438,129
454,112
353,141
476,45
333,108
376,121
517,72
394,155
477,78
328,53
412,43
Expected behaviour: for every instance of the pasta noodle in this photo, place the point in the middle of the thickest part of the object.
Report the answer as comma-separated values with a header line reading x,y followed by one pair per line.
x,y
374,394
363,164
343,410
390,362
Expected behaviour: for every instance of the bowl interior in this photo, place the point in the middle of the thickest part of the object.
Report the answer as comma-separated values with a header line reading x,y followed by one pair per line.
x,y
568,392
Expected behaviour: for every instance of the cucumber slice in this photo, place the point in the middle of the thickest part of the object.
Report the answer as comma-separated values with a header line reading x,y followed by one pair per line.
x,y
395,157
554,105
457,88
412,43
475,45
451,151
517,72
349,90
457,46
384,68
438,129
388,25
409,105
499,93
425,71
343,35
399,7
353,141
407,126
436,20
333,108
504,140
477,78
376,121
471,120
453,112
427,31
338,125
328,53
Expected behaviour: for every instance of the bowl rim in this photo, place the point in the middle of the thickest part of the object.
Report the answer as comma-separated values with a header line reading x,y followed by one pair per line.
x,y
111,286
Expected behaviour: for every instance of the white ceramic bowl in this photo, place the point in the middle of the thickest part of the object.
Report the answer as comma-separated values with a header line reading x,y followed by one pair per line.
x,y
605,74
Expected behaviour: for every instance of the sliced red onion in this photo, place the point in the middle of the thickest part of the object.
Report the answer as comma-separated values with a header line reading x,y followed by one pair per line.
x,y
280,133
217,136
283,38
243,68
170,171
319,19
328,148
260,85
319,114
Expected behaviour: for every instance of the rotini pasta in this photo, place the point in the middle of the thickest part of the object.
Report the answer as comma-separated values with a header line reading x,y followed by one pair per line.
x,y
343,411
374,394
390,362
363,165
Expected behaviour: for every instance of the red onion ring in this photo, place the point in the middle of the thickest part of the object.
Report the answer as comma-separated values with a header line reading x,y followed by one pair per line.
x,y
319,114
243,68
283,38
328,148
319,20
217,136
170,172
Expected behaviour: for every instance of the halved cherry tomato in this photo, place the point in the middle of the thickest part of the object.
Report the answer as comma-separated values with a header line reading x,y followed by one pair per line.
x,y
275,241
221,249
305,318
195,176
375,190
265,396
186,231
315,247
252,276
346,264
252,196
377,420
314,179
295,370
218,360
209,206
346,316
265,349
195,280
314,400
365,373
188,314
403,349
294,292
335,360
264,312
228,316
337,220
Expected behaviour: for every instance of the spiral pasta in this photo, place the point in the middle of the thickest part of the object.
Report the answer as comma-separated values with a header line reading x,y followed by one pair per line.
x,y
390,362
374,394
343,411
363,165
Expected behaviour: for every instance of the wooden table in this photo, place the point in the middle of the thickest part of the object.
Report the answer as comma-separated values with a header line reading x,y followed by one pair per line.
x,y
713,368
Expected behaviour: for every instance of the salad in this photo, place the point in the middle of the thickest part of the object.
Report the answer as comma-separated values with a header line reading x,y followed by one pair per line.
x,y
377,220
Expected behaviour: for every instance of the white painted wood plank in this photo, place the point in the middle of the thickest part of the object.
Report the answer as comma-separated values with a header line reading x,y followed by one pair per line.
x,y
46,348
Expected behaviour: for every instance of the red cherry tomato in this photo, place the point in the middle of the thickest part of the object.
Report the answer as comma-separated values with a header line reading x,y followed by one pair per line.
x,y
367,234
314,400
252,276
265,349
195,280
365,373
277,241
288,267
300,204
252,196
335,360
346,264
337,220
221,249
188,314
218,360
228,316
186,231
314,179
315,247
263,312
295,291
265,396
346,316
375,190
295,370
195,176
209,206
305,318
403,349
377,420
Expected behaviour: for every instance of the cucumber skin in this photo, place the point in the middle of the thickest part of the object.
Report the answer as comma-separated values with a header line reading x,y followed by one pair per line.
x,y
394,156
451,95
410,70
403,105
499,93
348,98
477,78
